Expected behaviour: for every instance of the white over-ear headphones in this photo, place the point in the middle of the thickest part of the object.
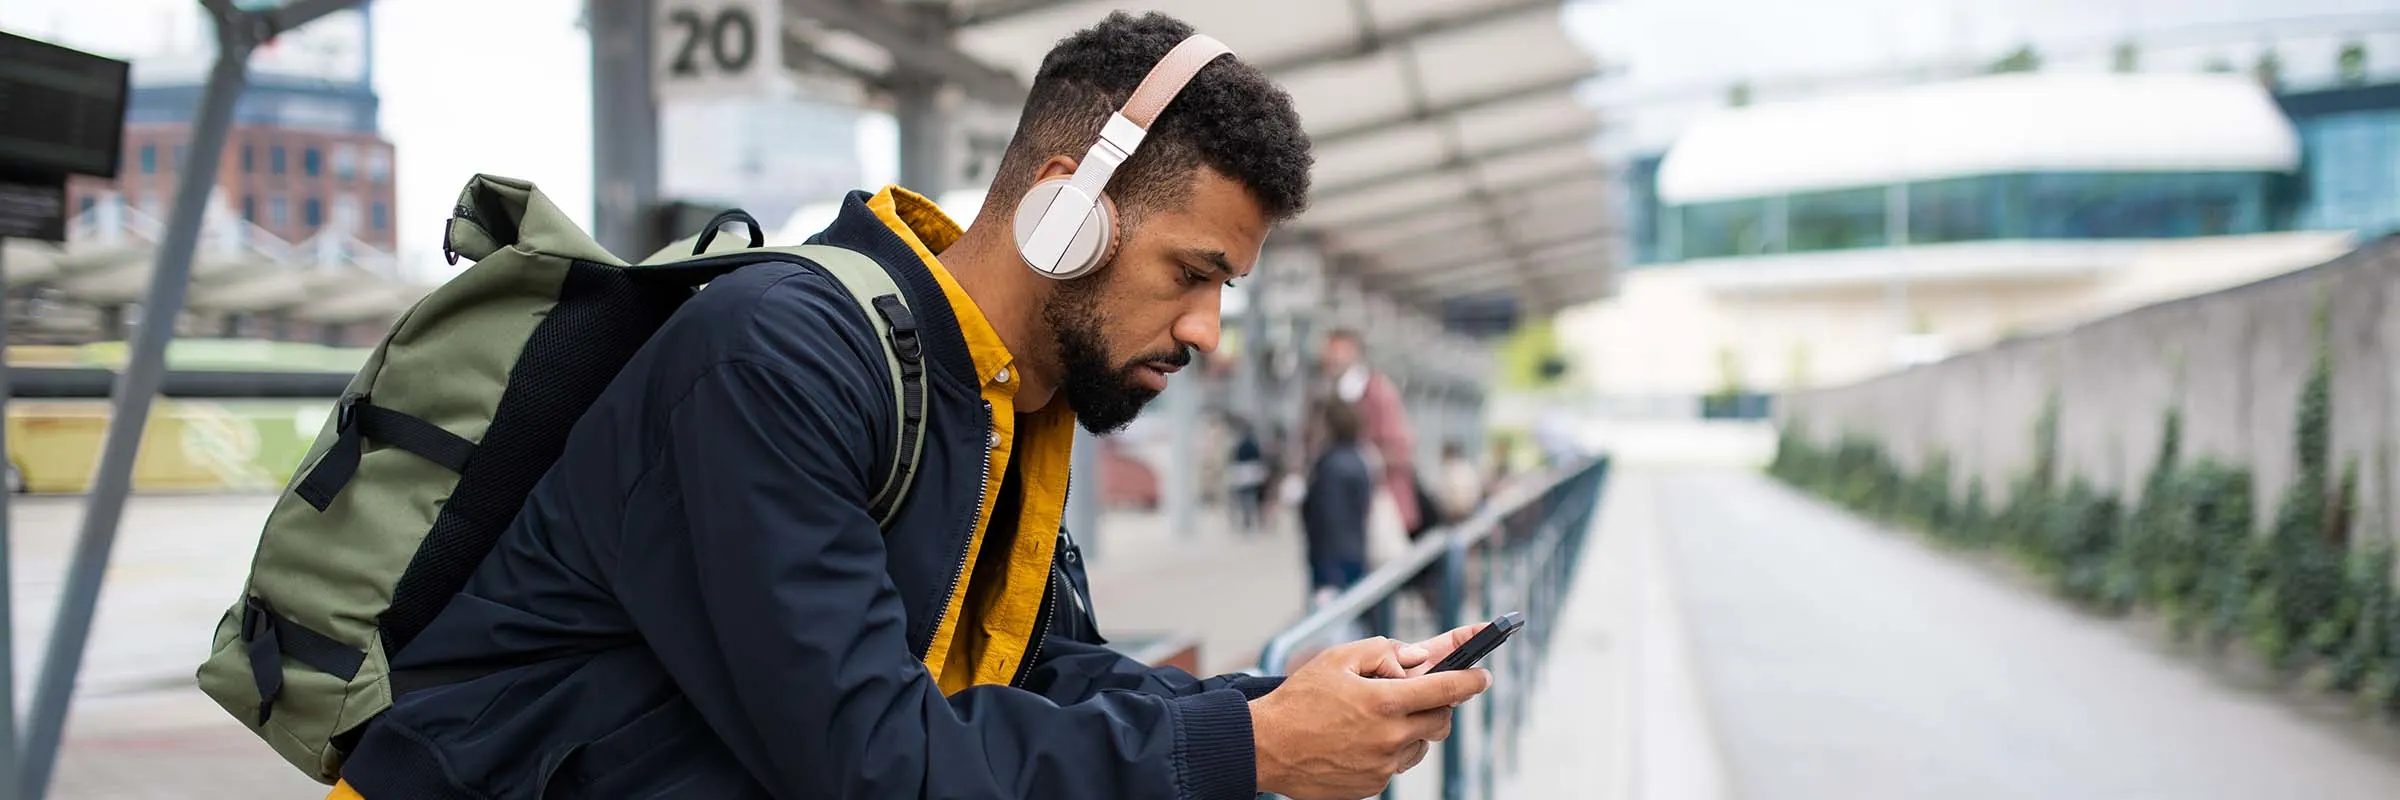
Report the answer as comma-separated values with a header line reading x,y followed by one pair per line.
x,y
1066,226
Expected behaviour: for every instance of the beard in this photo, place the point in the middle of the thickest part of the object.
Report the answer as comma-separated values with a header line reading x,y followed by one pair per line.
x,y
1105,393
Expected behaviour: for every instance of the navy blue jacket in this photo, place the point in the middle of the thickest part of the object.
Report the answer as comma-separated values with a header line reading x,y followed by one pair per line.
x,y
1333,514
695,602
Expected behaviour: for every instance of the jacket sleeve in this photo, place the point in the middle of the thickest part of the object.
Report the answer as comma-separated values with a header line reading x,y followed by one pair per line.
x,y
796,652
1073,672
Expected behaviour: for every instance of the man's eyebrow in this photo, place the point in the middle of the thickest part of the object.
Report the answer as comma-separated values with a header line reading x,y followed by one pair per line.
x,y
1214,258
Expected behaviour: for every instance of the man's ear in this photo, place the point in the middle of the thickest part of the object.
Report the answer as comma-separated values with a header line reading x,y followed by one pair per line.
x,y
1055,167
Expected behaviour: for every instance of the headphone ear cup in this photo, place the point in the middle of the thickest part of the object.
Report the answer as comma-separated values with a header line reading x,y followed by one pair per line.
x,y
1108,246
1094,240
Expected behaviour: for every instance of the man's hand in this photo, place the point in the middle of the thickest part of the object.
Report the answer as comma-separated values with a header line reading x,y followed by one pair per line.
x,y
1343,724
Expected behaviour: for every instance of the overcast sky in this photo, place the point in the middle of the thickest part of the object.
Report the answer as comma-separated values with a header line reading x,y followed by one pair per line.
x,y
503,86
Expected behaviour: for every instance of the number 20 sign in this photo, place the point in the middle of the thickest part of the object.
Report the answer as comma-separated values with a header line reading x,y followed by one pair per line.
x,y
715,47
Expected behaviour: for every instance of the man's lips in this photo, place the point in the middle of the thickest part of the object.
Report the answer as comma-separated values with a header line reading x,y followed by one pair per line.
x,y
1153,374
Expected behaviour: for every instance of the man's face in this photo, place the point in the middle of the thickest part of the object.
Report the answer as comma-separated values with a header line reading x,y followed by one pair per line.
x,y
1338,356
1124,328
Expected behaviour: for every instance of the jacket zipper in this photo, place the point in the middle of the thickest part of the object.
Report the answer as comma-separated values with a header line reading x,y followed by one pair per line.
x,y
967,553
1041,630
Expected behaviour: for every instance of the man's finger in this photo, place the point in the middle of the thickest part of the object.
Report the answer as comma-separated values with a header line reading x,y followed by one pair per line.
x,y
1441,646
1413,755
1441,689
1432,725
1375,658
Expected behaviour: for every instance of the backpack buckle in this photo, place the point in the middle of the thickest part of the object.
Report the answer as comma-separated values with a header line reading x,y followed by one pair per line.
x,y
345,411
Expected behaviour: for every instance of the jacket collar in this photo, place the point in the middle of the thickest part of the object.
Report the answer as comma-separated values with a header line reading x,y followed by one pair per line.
x,y
858,227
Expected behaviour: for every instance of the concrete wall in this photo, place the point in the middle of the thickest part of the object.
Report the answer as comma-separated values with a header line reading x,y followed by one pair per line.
x,y
1829,319
2243,352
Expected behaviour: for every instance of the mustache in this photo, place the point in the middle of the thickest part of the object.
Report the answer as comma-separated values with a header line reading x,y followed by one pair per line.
x,y
1179,357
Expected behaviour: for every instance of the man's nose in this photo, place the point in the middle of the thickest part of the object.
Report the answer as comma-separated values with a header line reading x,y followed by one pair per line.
x,y
1198,330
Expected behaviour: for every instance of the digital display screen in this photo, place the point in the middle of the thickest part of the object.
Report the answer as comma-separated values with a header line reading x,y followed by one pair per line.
x,y
62,111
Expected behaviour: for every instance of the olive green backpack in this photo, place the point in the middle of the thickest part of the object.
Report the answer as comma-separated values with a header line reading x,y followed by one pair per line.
x,y
435,444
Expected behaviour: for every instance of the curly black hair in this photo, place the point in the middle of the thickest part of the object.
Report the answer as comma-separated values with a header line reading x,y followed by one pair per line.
x,y
1230,118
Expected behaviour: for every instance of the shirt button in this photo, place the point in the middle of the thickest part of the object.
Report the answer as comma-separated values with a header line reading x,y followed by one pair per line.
x,y
1002,376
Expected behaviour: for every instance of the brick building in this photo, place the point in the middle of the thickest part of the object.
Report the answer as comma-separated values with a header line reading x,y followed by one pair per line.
x,y
304,157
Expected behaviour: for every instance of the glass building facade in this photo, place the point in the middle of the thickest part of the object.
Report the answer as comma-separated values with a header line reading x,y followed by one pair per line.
x,y
2349,179
2350,157
2049,205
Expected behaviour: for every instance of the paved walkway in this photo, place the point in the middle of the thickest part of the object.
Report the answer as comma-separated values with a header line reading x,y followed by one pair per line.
x,y
139,729
1840,659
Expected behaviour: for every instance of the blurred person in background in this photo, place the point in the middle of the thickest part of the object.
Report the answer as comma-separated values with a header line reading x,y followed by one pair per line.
x,y
1460,484
1246,477
1346,378
1334,511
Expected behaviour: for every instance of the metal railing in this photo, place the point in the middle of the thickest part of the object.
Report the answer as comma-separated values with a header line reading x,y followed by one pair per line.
x,y
1518,553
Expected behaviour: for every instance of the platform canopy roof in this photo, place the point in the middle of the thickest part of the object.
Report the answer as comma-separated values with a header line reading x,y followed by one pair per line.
x,y
1454,159
238,269
2013,123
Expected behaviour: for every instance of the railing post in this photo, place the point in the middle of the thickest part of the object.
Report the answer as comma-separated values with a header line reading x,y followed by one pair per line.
x,y
1454,573
1493,548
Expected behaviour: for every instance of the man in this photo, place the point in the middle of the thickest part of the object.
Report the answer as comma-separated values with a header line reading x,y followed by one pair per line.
x,y
1342,366
695,602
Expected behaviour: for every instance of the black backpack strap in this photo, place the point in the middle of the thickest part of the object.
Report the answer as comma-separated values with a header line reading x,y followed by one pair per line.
x,y
356,420
887,307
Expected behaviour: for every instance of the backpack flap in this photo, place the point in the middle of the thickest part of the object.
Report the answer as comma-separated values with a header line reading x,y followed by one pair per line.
x,y
494,213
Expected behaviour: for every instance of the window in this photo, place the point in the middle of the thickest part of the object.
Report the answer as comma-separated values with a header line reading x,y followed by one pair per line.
x,y
312,163
2353,171
275,160
86,206
250,209
379,217
1837,220
149,159
312,213
1725,228
345,161
2051,205
379,165
178,163
276,212
249,160
1958,210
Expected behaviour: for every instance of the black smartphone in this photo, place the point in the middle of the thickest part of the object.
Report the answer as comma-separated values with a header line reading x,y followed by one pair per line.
x,y
1485,641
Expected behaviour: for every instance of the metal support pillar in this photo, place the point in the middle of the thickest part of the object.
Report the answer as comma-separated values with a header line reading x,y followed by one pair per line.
x,y
1084,494
1183,399
924,134
238,32
10,772
624,128
1250,381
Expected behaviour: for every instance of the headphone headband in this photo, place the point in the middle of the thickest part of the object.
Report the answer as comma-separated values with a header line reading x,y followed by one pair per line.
x,y
1050,226
1170,76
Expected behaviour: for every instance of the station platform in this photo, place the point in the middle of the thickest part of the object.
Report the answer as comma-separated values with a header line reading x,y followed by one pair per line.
x,y
1727,638
140,729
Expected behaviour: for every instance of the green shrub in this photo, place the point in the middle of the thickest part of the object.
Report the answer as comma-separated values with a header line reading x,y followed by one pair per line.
x,y
2366,635
2188,548
2079,532
2302,583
